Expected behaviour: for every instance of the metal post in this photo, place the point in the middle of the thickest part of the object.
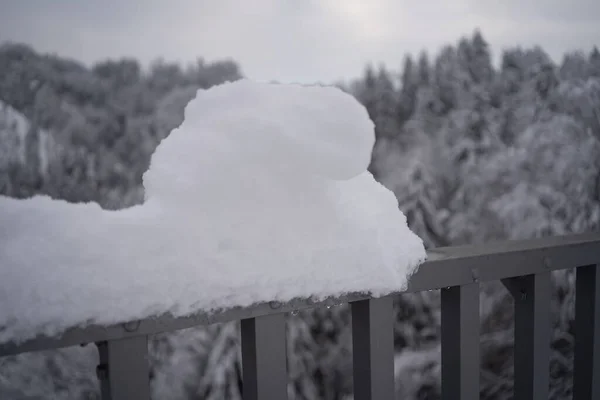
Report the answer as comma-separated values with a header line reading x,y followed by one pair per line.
x,y
373,349
586,379
264,358
460,342
532,335
123,371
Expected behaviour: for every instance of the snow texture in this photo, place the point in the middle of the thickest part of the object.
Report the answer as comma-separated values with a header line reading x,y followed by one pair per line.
x,y
261,194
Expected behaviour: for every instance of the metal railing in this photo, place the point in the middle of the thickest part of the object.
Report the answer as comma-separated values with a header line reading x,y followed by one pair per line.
x,y
523,266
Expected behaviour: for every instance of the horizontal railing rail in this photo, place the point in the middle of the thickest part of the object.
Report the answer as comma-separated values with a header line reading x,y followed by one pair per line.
x,y
523,267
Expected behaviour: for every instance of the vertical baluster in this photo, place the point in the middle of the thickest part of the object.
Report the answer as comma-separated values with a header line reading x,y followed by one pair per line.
x,y
264,360
124,371
532,335
586,379
373,349
460,342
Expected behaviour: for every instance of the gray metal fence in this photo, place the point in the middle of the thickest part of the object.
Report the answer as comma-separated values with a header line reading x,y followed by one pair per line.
x,y
523,266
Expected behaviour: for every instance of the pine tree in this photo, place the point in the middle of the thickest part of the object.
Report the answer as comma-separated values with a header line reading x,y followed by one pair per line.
x,y
424,70
594,62
366,92
464,58
387,104
409,82
480,64
378,94
574,66
446,79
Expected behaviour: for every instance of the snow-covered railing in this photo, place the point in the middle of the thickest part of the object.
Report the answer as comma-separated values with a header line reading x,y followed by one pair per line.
x,y
523,266
259,204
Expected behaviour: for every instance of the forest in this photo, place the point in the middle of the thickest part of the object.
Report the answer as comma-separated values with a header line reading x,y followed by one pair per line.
x,y
474,152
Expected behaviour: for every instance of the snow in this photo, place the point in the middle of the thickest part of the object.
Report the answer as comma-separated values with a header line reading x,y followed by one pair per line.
x,y
262,194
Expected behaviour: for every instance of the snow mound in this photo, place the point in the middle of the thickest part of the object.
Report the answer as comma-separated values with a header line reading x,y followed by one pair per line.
x,y
262,194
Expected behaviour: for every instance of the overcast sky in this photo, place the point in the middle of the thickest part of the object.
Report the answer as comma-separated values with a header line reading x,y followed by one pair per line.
x,y
293,40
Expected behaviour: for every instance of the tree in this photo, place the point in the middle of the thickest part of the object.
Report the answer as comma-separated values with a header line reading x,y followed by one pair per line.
x,y
424,70
580,100
119,73
574,66
164,76
215,73
386,106
594,62
409,85
447,79
480,63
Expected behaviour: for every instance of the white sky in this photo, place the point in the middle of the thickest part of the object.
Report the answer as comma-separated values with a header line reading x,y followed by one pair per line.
x,y
293,40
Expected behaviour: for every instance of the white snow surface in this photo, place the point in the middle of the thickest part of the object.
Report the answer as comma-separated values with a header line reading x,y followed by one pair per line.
x,y
262,194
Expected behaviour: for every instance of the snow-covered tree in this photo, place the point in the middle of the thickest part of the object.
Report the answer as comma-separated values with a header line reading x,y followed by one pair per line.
x,y
409,85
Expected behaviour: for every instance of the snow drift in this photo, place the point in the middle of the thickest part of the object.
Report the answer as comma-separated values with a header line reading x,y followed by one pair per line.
x,y
261,194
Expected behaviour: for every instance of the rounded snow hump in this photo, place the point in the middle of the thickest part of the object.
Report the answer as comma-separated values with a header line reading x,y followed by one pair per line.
x,y
316,130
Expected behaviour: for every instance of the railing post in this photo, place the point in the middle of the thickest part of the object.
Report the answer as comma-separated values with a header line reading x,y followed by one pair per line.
x,y
586,379
264,357
460,342
373,348
124,372
532,335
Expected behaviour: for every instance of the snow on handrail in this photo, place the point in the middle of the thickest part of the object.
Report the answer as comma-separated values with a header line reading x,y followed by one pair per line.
x,y
445,267
523,267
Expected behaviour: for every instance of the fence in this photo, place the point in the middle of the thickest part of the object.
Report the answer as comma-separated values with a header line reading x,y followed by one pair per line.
x,y
523,266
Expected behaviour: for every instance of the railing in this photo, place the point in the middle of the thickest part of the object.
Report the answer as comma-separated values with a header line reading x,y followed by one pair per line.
x,y
523,266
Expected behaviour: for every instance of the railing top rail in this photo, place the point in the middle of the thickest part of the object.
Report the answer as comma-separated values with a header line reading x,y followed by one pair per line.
x,y
445,267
